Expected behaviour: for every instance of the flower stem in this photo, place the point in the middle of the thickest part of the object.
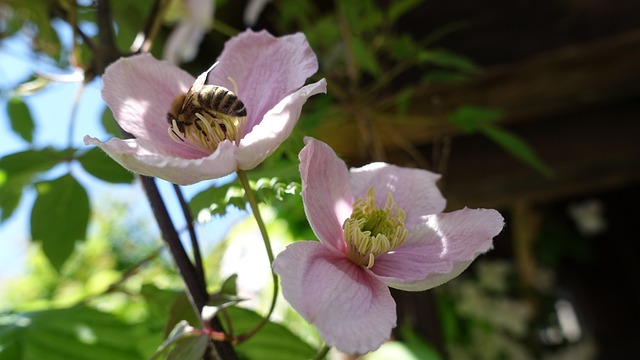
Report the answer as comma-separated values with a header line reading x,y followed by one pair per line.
x,y
322,353
253,203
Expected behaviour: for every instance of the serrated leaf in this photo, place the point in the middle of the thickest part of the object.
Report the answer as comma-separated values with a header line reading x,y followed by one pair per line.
x,y
100,165
59,217
109,123
517,147
20,118
272,342
76,333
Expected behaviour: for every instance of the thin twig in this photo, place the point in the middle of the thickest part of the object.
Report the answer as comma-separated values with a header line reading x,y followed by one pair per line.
x,y
197,257
253,203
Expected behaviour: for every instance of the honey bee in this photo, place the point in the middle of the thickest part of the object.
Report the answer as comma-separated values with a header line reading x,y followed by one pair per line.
x,y
218,106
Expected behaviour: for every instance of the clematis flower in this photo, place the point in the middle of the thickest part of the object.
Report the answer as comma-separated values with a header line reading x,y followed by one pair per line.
x,y
267,74
379,226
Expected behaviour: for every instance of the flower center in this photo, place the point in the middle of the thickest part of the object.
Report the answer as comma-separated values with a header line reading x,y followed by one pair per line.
x,y
204,117
372,231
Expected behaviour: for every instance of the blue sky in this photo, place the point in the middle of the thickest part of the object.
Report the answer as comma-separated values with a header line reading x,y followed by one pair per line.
x,y
51,109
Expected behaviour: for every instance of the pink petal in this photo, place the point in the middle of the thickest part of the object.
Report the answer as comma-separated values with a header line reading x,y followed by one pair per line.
x,y
139,91
440,250
325,192
141,157
414,190
349,306
265,68
276,127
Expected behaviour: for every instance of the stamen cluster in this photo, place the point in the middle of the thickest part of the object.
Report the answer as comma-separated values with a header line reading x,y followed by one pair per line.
x,y
371,231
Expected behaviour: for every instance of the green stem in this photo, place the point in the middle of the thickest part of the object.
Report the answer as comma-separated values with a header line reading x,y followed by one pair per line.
x,y
322,353
253,203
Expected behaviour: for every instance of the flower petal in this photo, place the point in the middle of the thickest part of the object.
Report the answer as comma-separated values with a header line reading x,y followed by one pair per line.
x,y
414,190
349,306
140,156
276,126
325,192
440,250
139,91
265,69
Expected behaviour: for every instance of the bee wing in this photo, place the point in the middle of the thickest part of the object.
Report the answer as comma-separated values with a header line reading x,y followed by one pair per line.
x,y
202,79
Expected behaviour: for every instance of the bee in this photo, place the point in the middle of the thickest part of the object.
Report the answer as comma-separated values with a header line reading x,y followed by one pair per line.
x,y
216,105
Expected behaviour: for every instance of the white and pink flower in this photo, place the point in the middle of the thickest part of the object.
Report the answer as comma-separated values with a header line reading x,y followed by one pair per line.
x,y
266,73
379,226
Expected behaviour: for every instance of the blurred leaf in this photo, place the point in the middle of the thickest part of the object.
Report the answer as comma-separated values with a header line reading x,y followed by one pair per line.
x,y
20,118
100,165
272,342
229,286
401,7
517,147
418,346
184,342
76,333
181,310
471,118
189,348
109,123
59,217
447,59
364,56
17,170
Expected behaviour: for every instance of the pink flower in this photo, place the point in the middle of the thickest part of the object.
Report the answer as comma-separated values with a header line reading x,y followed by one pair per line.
x,y
379,226
266,73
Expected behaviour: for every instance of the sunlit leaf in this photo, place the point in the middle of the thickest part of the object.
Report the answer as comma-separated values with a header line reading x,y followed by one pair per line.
x,y
59,217
418,345
20,118
18,170
272,342
517,147
98,164
77,333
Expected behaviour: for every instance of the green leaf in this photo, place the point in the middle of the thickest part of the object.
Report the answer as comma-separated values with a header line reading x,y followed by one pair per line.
x,y
17,170
517,147
364,56
109,123
76,333
448,59
181,310
471,118
184,341
229,286
59,217
272,342
401,7
21,119
189,348
98,164
418,345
